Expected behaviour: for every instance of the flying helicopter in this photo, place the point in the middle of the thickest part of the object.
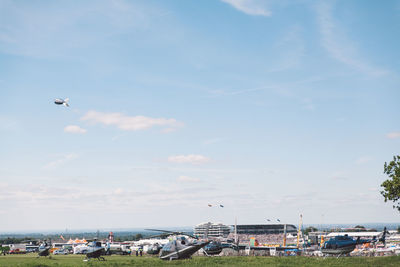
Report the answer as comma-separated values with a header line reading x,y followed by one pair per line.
x,y
60,101
180,246
344,244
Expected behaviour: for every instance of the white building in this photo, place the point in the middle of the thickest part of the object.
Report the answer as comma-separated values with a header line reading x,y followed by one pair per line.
x,y
212,230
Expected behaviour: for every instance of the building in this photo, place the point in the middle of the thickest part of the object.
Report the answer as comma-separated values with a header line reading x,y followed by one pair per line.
x,y
265,229
212,230
266,234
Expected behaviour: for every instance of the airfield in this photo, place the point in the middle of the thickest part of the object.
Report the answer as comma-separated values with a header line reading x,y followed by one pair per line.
x,y
77,260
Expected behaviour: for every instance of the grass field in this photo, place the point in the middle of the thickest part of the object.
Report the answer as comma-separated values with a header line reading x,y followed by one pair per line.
x,y
77,260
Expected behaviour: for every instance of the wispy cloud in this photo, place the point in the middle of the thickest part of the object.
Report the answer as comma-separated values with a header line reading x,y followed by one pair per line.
x,y
363,160
283,89
339,176
168,130
187,179
212,141
74,129
221,92
192,159
116,137
308,104
118,191
250,7
291,50
338,45
111,199
129,123
393,135
8,124
294,199
59,162
56,30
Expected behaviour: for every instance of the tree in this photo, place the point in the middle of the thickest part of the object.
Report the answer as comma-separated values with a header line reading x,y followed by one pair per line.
x,y
391,187
138,237
310,229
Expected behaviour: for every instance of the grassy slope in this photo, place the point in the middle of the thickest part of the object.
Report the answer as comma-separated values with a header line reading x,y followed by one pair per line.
x,y
77,260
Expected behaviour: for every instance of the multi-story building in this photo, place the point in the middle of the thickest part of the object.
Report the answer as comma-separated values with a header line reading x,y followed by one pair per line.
x,y
212,230
264,229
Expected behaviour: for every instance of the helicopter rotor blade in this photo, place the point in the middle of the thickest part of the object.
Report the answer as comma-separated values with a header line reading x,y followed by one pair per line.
x,y
164,235
172,232
158,230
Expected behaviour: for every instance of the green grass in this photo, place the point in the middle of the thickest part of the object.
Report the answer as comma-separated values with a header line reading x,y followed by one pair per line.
x,y
77,260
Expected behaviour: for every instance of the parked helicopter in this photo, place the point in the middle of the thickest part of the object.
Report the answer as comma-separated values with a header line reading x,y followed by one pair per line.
x,y
213,248
179,246
44,249
217,244
154,249
60,101
94,250
343,245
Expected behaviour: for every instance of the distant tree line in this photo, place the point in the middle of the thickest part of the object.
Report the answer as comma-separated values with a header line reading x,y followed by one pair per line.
x,y
310,229
118,237
14,240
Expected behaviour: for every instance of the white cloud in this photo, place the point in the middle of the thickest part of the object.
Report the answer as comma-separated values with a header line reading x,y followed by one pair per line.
x,y
129,123
393,135
193,159
56,163
250,7
188,179
74,129
338,46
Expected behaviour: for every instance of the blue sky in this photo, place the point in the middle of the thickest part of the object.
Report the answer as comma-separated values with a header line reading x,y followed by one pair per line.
x,y
271,108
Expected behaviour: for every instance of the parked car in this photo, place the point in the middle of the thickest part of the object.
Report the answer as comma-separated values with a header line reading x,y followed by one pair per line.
x,y
17,251
60,252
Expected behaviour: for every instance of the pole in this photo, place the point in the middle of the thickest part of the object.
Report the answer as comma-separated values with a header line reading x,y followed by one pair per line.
x,y
299,230
236,237
284,235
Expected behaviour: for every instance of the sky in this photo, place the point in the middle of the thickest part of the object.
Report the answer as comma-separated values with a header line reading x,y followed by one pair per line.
x,y
270,108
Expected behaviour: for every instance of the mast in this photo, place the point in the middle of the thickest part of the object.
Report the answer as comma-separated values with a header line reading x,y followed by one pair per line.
x,y
299,230
284,235
236,238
